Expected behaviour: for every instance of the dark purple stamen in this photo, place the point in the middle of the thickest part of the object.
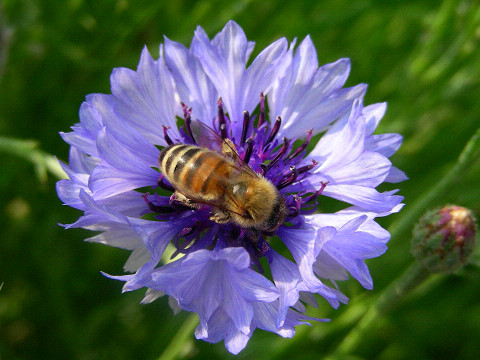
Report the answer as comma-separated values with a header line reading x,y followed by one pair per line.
x,y
274,131
213,243
249,240
255,253
280,153
248,151
294,211
188,129
187,112
263,247
165,135
223,131
306,168
289,179
164,185
261,117
157,208
301,147
237,237
187,231
317,193
246,123
221,119
264,169
184,247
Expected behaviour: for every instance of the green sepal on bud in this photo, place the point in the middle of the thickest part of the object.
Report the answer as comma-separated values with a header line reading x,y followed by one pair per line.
x,y
444,238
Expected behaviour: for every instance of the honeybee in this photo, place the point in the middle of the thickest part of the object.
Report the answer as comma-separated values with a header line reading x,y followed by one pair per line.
x,y
214,174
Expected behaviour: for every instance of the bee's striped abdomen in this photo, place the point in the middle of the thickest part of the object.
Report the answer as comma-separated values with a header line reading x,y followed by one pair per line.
x,y
167,157
194,171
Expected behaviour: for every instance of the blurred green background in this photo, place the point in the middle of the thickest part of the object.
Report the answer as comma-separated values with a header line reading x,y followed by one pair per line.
x,y
422,57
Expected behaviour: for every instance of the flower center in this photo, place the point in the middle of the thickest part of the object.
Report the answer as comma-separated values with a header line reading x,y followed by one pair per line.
x,y
258,147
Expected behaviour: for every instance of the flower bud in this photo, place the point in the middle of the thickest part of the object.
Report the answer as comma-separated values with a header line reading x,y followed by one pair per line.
x,y
444,238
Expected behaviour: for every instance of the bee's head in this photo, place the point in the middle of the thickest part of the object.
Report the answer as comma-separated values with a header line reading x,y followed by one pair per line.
x,y
276,216
265,207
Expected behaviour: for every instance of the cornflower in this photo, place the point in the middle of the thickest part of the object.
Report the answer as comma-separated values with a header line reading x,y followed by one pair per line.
x,y
236,279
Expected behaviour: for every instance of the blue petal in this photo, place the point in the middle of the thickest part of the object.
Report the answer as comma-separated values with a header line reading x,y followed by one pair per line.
x,y
306,97
358,238
396,175
342,144
80,163
385,144
84,135
122,168
369,169
193,85
288,281
255,287
206,280
373,114
221,327
224,61
304,245
239,310
145,98
157,234
367,198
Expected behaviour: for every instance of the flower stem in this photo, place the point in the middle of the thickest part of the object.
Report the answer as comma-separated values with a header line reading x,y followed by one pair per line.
x,y
179,345
28,150
393,294
405,223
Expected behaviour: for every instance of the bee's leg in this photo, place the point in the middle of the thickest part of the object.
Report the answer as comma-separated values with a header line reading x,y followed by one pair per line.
x,y
178,200
220,216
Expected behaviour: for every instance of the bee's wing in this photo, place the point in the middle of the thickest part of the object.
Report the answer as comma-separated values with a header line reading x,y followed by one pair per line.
x,y
205,136
229,203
